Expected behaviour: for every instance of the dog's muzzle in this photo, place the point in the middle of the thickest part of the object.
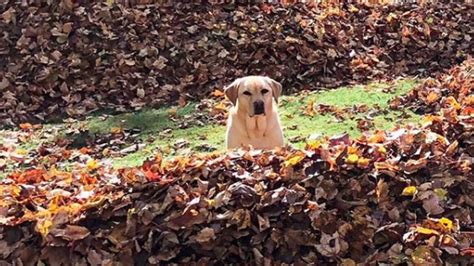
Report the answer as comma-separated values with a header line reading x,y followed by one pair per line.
x,y
259,108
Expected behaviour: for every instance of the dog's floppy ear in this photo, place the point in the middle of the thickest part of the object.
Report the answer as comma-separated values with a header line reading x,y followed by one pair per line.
x,y
276,88
232,91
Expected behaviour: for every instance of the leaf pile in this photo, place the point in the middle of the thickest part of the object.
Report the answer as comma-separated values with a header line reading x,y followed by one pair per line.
x,y
62,147
429,97
75,57
393,197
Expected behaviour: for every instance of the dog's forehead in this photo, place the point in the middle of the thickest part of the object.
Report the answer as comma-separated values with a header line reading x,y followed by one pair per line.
x,y
254,82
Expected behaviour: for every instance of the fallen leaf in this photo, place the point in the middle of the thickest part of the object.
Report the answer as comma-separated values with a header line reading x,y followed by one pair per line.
x,y
409,191
352,159
92,164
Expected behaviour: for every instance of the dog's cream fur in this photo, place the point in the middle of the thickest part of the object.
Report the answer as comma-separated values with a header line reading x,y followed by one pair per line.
x,y
244,127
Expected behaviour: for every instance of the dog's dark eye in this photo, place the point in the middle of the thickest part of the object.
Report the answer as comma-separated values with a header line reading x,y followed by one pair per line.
x,y
264,91
247,93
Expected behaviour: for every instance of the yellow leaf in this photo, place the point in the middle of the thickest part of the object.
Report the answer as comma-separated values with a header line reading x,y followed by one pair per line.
x,y
391,16
43,214
426,231
53,205
15,191
352,159
313,145
363,162
429,119
43,227
94,202
409,191
21,151
74,208
446,224
211,202
353,9
92,164
294,159
452,101
382,150
110,2
220,106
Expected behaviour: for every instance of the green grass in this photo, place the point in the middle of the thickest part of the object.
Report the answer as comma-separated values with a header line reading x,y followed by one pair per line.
x,y
148,120
152,122
326,125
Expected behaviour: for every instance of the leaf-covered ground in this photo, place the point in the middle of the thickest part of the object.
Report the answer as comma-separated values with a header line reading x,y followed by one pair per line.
x,y
75,57
402,196
128,139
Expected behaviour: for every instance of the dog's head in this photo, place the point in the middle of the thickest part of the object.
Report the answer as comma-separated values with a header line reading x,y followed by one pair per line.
x,y
253,94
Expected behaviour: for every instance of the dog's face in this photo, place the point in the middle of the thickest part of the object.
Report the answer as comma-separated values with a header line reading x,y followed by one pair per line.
x,y
253,94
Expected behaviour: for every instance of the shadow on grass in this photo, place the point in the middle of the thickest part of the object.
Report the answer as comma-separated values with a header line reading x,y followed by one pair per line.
x,y
147,120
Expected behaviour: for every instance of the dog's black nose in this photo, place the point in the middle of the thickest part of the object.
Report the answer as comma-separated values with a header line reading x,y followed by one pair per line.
x,y
259,107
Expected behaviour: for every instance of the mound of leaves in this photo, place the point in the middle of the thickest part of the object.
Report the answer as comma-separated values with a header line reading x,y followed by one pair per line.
x,y
74,57
63,146
401,196
454,89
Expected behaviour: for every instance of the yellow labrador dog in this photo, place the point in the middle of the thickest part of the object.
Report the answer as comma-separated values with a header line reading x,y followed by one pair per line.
x,y
253,118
